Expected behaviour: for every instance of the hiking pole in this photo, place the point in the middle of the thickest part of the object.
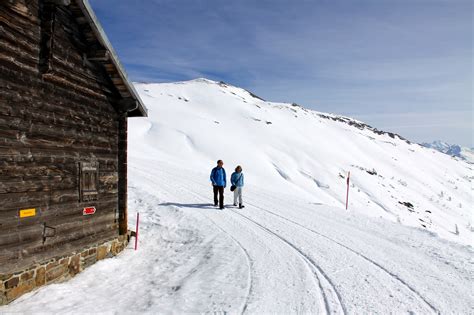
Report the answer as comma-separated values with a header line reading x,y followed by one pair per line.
x,y
347,194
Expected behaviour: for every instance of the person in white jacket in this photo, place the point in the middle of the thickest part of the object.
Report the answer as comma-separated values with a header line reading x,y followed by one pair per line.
x,y
237,181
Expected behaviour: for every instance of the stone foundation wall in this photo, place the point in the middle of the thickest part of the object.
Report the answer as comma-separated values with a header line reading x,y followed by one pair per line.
x,y
57,269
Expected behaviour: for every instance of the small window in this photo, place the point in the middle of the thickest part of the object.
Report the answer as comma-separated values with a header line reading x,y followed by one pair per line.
x,y
89,181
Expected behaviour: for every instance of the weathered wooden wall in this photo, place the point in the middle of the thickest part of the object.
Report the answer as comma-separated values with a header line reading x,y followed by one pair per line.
x,y
51,119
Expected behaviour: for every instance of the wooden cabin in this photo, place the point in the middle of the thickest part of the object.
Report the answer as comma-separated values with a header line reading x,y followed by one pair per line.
x,y
64,104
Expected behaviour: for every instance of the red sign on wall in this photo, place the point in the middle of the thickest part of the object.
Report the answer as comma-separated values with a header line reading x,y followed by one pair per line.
x,y
88,210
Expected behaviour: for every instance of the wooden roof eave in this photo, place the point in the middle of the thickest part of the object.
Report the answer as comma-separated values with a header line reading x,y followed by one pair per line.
x,y
125,85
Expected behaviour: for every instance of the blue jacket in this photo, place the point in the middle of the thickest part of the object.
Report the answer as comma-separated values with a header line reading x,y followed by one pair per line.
x,y
237,179
218,177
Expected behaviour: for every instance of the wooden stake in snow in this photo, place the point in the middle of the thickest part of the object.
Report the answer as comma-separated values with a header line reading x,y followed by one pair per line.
x,y
136,231
347,194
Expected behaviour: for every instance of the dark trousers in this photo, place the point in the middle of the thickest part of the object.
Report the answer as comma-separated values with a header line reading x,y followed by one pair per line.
x,y
220,190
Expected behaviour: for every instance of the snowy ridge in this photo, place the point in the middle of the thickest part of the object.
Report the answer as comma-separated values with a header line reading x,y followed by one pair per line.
x,y
291,148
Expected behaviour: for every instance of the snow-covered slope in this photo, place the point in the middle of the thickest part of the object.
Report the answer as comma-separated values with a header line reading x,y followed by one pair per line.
x,y
464,153
293,249
293,149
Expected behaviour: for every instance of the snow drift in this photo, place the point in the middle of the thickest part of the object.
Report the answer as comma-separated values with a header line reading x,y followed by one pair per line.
x,y
306,153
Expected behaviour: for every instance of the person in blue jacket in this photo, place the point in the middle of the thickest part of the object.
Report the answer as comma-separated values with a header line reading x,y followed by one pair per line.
x,y
218,179
237,181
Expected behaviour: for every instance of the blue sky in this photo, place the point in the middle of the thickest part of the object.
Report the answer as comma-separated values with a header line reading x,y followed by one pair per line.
x,y
400,65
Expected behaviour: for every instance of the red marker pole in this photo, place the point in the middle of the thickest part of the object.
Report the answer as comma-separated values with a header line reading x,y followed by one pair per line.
x,y
136,231
347,194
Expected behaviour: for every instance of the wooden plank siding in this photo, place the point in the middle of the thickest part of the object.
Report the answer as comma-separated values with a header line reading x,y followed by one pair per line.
x,y
49,123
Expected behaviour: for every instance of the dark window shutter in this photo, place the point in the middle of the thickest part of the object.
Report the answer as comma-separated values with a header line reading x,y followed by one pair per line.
x,y
89,181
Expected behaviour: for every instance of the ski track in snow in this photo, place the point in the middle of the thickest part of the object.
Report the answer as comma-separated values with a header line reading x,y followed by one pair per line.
x,y
304,257
350,249
311,263
254,295
249,264
318,271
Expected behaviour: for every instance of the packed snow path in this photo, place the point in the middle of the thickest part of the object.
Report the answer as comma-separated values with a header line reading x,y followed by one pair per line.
x,y
280,254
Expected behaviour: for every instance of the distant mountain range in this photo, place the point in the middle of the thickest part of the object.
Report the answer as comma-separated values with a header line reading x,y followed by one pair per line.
x,y
463,153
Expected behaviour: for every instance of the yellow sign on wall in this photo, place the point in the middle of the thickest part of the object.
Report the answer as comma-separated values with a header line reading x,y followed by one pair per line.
x,y
24,213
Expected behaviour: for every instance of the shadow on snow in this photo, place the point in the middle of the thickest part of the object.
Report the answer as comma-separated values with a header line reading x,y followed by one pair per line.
x,y
190,205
